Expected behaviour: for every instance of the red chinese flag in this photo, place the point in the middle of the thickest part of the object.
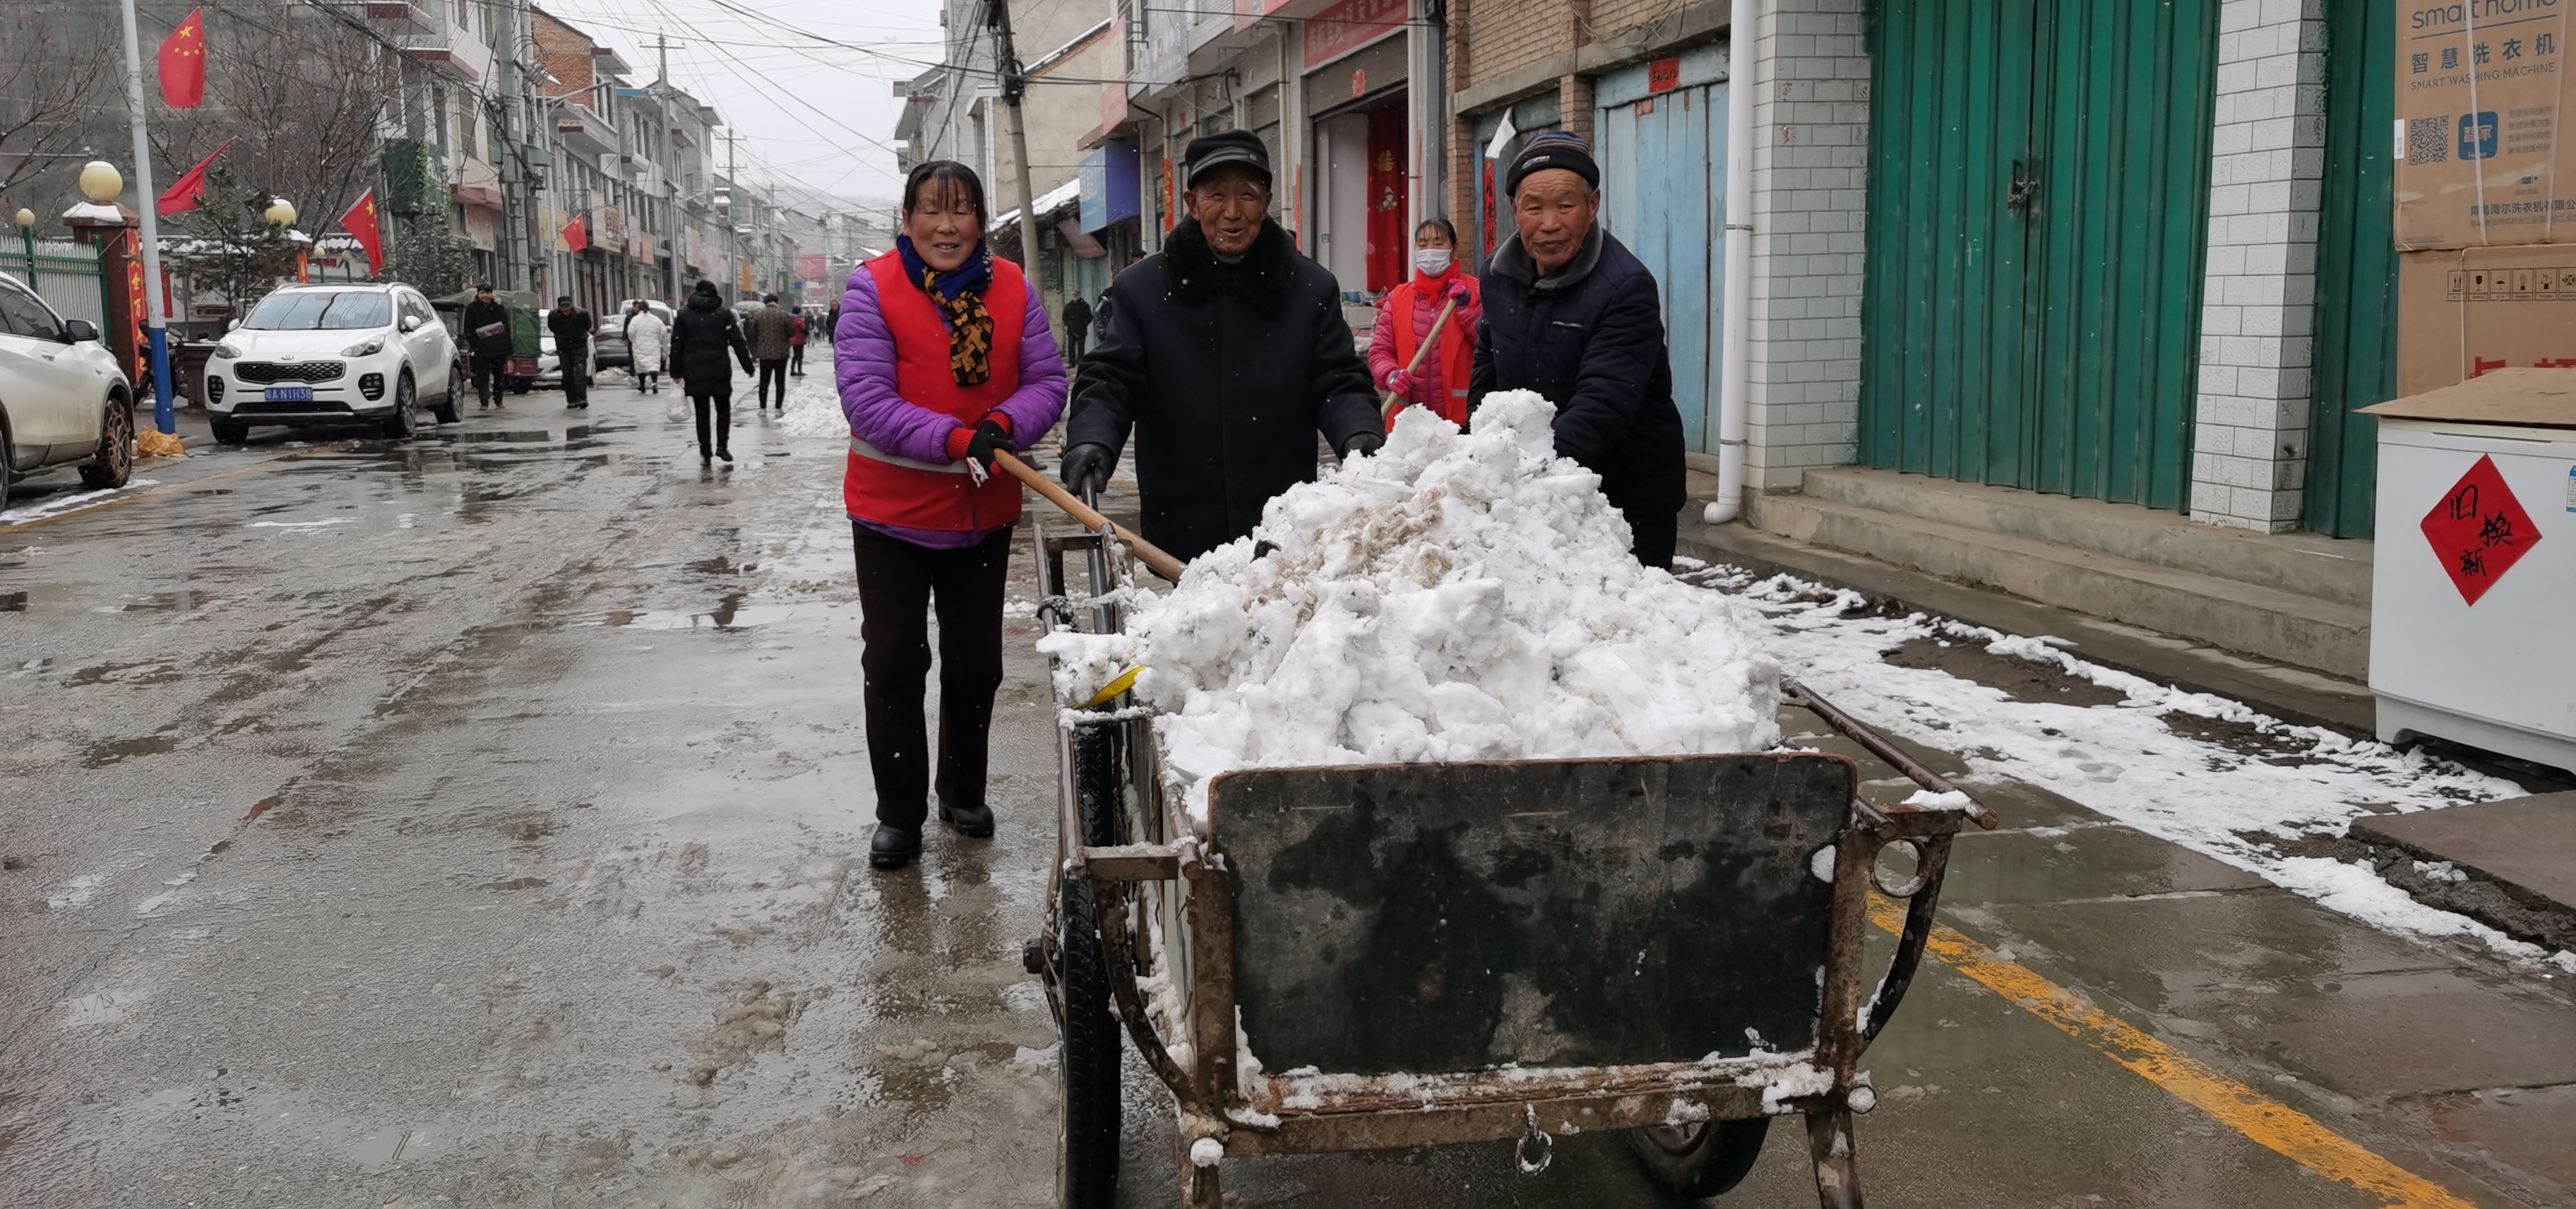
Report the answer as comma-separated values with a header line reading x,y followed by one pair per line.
x,y
363,222
183,63
576,234
184,193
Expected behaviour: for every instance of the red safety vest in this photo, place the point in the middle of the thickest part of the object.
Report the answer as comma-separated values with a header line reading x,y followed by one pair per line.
x,y
918,495
1457,345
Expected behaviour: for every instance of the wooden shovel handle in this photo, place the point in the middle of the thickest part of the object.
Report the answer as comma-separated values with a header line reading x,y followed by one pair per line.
x,y
1147,552
1386,406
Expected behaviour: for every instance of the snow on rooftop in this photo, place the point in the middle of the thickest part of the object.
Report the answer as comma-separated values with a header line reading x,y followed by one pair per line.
x,y
1047,202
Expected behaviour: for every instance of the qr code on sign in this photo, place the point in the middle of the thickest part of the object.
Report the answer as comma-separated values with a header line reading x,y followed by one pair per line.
x,y
2428,140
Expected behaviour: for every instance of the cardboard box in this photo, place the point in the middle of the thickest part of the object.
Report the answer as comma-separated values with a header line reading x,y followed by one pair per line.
x,y
2475,310
2480,92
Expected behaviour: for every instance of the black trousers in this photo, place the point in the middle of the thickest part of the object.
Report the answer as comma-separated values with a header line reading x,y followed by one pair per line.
x,y
1655,536
491,379
900,586
700,398
773,371
1073,347
576,383
795,361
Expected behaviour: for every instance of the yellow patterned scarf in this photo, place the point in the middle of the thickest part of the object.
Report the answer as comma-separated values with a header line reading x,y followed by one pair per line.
x,y
970,331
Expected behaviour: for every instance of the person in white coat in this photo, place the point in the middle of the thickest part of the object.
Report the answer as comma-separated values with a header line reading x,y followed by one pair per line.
x,y
648,340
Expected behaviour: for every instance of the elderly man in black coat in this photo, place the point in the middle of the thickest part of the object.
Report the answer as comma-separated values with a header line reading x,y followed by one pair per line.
x,y
1226,356
1572,314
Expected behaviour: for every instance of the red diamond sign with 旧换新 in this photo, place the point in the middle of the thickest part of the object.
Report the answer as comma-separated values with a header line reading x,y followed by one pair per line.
x,y
2479,530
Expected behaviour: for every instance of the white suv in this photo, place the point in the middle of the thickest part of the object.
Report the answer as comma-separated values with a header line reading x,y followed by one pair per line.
x,y
315,354
63,399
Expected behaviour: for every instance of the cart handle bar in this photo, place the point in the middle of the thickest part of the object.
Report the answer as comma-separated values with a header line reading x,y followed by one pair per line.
x,y
1877,745
1147,552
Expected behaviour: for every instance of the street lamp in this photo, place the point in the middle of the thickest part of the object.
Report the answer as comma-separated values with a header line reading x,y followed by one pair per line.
x,y
101,182
27,236
280,212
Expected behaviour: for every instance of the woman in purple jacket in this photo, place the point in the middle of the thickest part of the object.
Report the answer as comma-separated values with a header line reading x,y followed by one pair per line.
x,y
944,356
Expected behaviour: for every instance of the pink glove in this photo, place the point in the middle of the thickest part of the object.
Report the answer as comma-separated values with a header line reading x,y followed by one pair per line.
x,y
1401,382
1458,294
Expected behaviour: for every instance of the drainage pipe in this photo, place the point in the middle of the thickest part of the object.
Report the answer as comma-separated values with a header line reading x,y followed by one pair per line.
x,y
1737,306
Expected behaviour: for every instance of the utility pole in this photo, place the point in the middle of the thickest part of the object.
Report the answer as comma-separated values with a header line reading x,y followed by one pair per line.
x,y
733,204
662,48
157,320
1014,85
518,208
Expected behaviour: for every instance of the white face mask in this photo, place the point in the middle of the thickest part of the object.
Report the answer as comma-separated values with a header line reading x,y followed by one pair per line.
x,y
1432,261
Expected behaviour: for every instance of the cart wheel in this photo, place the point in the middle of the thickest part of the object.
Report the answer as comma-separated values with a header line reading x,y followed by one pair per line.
x,y
1700,1160
1087,1168
1089,1062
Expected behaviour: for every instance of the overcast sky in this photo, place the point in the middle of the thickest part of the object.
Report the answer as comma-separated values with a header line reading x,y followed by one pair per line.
x,y
810,113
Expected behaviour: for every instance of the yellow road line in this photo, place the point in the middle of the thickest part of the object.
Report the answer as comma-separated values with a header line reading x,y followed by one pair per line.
x,y
2277,1126
158,492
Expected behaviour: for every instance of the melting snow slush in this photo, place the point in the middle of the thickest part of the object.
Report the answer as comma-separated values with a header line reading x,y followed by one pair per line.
x,y
1456,596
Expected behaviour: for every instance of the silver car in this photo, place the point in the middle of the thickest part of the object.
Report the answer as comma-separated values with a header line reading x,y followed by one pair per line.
x,y
64,401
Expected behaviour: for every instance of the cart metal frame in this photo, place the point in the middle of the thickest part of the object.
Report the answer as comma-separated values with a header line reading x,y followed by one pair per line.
x,y
1165,906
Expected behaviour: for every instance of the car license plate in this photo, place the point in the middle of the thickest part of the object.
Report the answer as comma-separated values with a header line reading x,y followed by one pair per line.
x,y
288,394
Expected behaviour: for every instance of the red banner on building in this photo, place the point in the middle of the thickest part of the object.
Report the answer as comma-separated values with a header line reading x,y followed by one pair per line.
x,y
1348,26
810,268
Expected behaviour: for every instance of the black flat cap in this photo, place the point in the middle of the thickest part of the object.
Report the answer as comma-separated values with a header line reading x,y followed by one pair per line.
x,y
1554,149
1209,152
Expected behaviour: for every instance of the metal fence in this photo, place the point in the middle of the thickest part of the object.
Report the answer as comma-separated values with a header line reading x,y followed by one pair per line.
x,y
68,275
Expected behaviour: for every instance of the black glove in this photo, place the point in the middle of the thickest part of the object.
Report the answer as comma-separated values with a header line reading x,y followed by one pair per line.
x,y
989,436
1088,463
1362,444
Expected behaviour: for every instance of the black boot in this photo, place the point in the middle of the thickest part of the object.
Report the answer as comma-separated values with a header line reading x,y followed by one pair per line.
x,y
893,847
974,822
724,453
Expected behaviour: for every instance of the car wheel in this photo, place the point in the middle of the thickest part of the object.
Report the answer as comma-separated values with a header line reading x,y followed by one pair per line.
x,y
228,432
444,411
113,462
403,423
521,386
1702,1160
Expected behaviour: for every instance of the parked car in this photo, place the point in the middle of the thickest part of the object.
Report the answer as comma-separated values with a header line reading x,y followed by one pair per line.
x,y
608,346
63,399
655,305
550,366
317,354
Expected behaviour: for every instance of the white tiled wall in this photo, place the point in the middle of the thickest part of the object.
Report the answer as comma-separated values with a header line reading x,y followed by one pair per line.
x,y
1810,166
2267,162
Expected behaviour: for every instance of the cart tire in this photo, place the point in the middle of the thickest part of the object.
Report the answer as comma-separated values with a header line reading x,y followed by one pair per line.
x,y
1700,1160
1087,1168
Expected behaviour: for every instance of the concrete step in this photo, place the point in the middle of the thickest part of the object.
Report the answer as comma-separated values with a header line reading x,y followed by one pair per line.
x,y
2306,631
2302,563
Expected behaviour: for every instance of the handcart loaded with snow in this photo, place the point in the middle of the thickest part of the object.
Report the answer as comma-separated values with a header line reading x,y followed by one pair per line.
x,y
1431,817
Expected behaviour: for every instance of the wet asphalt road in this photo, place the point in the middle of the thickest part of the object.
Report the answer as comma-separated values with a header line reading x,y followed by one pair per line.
x,y
481,822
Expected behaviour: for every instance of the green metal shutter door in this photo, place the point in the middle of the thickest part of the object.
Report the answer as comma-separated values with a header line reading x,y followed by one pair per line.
x,y
2356,324
2038,187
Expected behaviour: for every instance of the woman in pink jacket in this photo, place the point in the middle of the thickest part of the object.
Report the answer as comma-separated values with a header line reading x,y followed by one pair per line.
x,y
1404,320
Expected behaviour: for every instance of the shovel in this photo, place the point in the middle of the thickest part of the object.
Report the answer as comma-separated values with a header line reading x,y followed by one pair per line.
x,y
1431,340
1146,552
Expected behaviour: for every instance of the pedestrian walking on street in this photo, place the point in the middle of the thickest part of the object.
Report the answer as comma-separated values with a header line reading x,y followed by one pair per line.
x,y
1572,314
1404,320
648,341
706,343
770,329
486,324
943,357
571,327
1077,326
797,333
1226,355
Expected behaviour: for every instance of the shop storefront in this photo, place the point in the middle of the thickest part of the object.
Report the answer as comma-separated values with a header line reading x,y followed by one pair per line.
x,y
1356,57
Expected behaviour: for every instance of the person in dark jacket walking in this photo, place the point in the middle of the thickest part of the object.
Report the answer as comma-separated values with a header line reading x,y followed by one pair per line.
x,y
486,328
700,339
769,332
1572,314
1227,356
570,326
1077,326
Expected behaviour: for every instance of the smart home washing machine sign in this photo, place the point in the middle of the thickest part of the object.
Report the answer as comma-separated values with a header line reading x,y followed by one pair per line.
x,y
2479,530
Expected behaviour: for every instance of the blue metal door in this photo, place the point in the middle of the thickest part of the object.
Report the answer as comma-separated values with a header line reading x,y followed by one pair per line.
x,y
1661,142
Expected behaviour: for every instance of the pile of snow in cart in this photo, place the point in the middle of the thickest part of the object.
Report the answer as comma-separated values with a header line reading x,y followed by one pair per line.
x,y
1456,596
